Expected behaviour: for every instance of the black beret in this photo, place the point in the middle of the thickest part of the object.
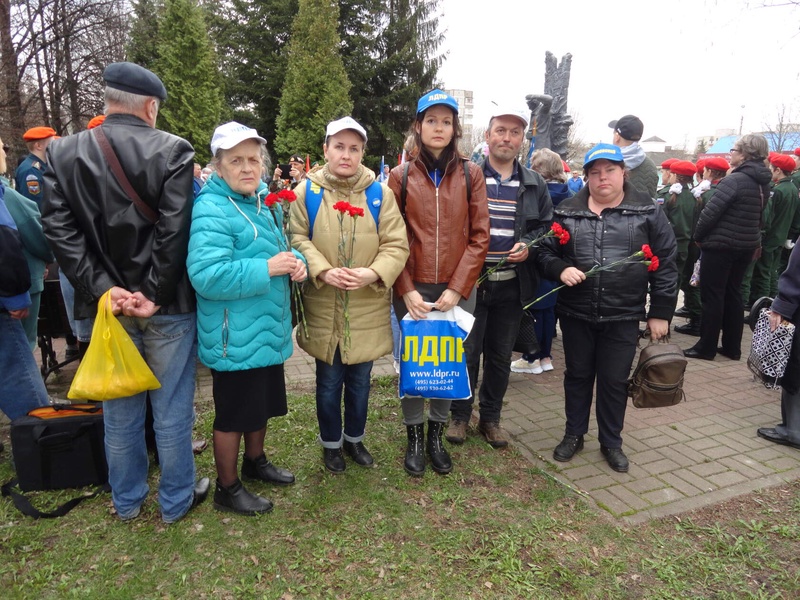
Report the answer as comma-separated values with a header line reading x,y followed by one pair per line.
x,y
131,78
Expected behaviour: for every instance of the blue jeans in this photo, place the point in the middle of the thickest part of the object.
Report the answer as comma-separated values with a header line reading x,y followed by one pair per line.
x,y
81,328
330,380
396,336
168,344
22,387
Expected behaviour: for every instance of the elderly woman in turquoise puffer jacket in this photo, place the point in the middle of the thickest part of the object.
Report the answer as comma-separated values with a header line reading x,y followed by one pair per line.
x,y
240,265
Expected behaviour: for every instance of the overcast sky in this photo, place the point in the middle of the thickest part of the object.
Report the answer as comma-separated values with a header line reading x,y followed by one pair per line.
x,y
685,67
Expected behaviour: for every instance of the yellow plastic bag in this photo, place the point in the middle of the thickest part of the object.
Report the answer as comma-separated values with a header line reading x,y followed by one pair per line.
x,y
112,367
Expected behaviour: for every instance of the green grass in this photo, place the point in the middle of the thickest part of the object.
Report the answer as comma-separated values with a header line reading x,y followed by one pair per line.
x,y
495,528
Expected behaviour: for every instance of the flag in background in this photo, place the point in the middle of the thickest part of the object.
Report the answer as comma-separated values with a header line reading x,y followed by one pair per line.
x,y
308,164
381,177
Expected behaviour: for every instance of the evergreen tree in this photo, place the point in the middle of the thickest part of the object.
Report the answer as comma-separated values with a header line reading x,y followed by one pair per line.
x,y
392,71
186,63
141,48
316,89
252,38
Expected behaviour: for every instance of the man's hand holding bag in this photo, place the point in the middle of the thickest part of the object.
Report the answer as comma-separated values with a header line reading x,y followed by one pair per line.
x,y
112,367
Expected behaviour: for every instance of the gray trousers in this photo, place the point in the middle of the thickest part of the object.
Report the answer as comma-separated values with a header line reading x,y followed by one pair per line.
x,y
790,411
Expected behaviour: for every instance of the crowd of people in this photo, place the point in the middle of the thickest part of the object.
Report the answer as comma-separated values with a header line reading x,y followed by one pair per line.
x,y
229,263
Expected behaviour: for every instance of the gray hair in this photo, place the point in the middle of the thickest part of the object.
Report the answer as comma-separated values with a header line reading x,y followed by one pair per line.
x,y
753,146
548,164
130,103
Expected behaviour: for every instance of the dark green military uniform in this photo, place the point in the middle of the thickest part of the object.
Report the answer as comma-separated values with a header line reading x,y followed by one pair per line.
x,y
29,178
779,217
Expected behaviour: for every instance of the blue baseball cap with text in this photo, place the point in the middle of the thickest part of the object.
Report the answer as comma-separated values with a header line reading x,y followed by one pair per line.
x,y
602,152
435,97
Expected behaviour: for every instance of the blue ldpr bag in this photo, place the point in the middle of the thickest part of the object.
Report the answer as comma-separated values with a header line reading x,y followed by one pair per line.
x,y
433,363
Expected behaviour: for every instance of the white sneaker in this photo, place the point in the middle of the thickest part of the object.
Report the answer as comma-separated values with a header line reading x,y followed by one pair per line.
x,y
547,366
523,366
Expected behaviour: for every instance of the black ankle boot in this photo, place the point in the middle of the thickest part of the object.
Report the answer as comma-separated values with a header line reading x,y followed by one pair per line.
x,y
235,498
415,454
260,468
334,460
440,459
358,452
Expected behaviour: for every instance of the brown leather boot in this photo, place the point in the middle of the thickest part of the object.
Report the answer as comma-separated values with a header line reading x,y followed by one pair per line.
x,y
456,431
495,435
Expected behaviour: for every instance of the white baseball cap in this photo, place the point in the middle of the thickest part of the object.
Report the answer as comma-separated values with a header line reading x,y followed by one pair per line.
x,y
230,134
335,127
506,111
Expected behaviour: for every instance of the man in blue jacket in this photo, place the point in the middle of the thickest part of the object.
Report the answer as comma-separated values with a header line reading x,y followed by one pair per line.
x,y
22,389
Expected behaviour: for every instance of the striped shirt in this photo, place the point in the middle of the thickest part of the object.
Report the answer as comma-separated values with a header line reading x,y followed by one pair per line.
x,y
502,196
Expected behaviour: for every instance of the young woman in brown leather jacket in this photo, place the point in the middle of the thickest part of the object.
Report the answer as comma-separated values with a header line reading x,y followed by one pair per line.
x,y
443,201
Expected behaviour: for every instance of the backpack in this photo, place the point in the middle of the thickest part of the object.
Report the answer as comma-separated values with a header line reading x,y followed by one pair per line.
x,y
657,379
314,200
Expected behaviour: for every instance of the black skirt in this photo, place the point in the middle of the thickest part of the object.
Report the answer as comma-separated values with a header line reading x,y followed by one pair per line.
x,y
245,400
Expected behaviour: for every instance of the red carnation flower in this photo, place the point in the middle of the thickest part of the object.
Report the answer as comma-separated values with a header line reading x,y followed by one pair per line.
x,y
342,206
648,253
355,211
271,200
653,266
561,233
287,194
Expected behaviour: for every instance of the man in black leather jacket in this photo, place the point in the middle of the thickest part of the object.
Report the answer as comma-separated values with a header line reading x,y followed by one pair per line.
x,y
105,238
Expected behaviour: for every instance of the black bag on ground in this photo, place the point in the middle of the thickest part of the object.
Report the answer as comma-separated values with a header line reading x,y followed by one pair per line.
x,y
60,446
657,379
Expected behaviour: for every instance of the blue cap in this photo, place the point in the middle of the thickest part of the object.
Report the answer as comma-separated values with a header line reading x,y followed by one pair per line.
x,y
604,152
134,79
435,97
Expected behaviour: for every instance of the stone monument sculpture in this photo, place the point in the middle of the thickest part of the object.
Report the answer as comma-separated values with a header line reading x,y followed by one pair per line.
x,y
550,122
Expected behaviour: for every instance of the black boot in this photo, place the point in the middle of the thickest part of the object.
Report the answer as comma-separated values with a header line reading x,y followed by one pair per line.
x,y
235,498
440,459
415,454
333,459
260,468
358,453
691,328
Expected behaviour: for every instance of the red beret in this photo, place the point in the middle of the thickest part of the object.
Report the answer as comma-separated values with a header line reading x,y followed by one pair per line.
x,y
717,164
38,133
96,121
683,167
700,165
566,166
668,162
783,161
797,151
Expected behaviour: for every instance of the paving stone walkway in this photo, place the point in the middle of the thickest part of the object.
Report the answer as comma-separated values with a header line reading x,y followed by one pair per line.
x,y
697,453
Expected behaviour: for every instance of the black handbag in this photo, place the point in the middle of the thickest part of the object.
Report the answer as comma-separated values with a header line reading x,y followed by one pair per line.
x,y
527,343
57,447
60,446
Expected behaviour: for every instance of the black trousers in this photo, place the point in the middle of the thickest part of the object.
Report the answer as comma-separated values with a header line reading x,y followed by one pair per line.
x,y
721,275
601,352
498,312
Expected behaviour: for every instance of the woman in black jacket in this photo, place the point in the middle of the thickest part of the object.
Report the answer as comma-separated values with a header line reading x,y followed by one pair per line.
x,y
729,233
608,220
